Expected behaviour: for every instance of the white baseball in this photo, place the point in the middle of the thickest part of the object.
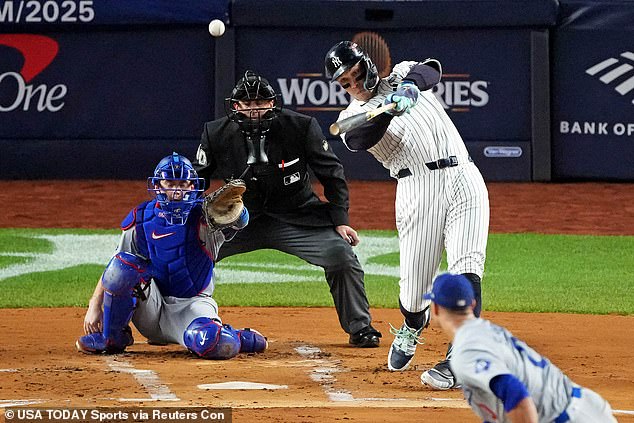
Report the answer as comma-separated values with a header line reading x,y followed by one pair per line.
x,y
216,27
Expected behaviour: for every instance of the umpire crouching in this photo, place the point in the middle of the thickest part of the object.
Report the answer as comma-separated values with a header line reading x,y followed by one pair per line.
x,y
272,150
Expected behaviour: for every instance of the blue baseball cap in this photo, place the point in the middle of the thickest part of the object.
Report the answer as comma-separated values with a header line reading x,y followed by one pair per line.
x,y
451,291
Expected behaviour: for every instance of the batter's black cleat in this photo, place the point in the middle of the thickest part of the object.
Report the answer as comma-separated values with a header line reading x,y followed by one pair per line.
x,y
440,377
367,337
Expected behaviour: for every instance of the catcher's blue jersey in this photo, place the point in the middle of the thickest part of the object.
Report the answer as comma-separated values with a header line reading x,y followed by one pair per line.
x,y
179,262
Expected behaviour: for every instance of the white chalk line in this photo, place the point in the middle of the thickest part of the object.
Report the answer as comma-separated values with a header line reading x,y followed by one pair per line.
x,y
240,385
146,378
630,412
324,371
19,402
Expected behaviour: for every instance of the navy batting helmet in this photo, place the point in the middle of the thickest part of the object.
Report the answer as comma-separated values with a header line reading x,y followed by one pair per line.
x,y
343,56
176,202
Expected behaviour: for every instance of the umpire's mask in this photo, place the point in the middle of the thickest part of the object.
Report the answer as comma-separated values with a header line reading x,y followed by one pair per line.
x,y
253,104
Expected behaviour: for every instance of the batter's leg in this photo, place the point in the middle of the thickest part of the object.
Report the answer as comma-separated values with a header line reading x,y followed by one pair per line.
x,y
440,376
477,291
420,221
417,320
420,217
466,236
467,228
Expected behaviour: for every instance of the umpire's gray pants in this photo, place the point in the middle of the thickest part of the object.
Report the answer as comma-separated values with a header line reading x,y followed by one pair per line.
x,y
321,246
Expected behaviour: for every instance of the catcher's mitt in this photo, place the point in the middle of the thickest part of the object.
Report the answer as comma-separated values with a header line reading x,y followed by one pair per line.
x,y
223,207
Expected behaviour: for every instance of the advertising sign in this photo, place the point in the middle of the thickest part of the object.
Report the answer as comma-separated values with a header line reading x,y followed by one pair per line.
x,y
105,84
485,87
593,96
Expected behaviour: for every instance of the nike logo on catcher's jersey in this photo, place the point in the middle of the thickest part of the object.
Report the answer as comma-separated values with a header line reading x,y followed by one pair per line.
x,y
159,236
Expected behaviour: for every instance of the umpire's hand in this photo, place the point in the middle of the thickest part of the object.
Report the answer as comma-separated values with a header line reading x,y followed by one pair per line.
x,y
348,234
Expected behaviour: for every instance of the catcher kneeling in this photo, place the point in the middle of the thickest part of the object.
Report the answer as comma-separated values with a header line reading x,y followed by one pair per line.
x,y
161,276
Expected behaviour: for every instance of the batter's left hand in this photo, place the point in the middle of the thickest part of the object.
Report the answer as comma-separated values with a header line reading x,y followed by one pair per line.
x,y
349,234
405,98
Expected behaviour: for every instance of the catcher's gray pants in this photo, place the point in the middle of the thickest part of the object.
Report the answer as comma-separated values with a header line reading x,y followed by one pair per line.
x,y
321,246
164,319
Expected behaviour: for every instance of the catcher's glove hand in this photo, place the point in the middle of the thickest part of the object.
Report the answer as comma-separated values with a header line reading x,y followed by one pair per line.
x,y
223,207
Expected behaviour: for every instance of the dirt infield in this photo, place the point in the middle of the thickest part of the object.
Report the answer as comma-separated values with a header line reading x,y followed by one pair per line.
x,y
312,375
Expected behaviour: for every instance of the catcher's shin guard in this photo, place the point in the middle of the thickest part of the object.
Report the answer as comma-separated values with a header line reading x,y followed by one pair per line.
x,y
252,341
120,279
209,339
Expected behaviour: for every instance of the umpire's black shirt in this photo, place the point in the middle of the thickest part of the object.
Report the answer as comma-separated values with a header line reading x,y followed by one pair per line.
x,y
281,188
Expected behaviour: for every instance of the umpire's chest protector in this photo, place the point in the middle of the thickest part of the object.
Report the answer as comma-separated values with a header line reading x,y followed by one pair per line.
x,y
179,262
282,184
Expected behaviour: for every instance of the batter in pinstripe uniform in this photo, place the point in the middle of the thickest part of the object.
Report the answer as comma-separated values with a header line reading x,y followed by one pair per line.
x,y
441,199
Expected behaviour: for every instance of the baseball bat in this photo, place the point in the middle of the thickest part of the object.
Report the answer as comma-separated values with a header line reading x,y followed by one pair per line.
x,y
357,120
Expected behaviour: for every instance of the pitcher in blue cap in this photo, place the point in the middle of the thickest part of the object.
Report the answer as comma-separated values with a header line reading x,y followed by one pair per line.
x,y
503,379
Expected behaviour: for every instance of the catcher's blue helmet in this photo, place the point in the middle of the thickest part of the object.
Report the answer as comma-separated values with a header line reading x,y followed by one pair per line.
x,y
175,200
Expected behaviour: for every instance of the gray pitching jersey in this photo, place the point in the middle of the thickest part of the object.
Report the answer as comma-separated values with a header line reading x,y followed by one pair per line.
x,y
435,209
163,319
482,350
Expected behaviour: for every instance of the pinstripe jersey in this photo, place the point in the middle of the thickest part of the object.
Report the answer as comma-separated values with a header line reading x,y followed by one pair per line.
x,y
425,134
435,209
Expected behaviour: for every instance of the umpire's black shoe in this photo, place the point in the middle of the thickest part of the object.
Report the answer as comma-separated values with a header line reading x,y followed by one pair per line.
x,y
367,337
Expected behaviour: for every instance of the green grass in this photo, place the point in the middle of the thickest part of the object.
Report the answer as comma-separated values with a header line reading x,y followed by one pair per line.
x,y
524,272
559,273
68,287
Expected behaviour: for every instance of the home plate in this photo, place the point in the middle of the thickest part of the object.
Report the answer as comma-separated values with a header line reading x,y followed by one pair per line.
x,y
241,385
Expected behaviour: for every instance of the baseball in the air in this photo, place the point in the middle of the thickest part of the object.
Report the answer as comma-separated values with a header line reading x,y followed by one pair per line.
x,y
216,27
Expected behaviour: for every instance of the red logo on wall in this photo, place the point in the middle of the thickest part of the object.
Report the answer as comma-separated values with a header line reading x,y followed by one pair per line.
x,y
38,52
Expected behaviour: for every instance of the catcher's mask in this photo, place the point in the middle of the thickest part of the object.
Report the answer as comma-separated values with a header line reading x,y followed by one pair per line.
x,y
343,56
253,104
176,187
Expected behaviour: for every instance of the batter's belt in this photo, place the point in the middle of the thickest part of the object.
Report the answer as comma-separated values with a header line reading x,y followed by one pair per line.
x,y
450,161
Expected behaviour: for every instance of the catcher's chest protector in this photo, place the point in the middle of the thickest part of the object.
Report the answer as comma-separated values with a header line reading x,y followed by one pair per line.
x,y
180,264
